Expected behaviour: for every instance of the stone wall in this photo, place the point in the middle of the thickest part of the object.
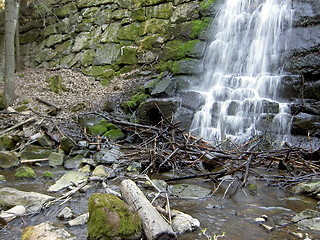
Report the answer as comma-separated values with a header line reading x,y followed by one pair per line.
x,y
103,38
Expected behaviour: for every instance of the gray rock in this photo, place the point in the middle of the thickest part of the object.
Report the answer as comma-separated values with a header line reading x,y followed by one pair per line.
x,y
165,87
190,191
108,156
66,213
32,201
67,180
73,163
182,223
154,108
46,231
304,124
56,158
308,219
308,188
103,171
192,100
188,66
79,221
107,54
8,160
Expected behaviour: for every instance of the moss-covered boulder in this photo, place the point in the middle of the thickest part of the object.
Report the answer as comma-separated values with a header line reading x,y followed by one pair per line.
x,y
111,218
8,160
8,142
25,172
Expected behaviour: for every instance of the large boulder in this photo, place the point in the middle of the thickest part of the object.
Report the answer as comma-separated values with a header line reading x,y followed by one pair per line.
x,y
111,218
154,109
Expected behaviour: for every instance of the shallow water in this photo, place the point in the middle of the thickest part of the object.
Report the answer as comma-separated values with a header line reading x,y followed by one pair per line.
x,y
233,213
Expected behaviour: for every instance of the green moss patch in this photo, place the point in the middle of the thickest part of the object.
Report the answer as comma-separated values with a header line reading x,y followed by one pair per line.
x,y
104,128
134,103
110,218
25,172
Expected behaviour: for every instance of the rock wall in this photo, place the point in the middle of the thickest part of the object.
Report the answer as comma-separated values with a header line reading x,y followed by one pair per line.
x,y
303,59
104,38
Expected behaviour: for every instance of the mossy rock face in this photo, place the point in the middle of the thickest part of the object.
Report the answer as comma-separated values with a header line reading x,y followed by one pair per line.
x,y
163,11
25,172
66,10
128,56
111,218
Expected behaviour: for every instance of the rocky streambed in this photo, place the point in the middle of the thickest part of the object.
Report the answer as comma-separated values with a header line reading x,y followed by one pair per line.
x,y
49,172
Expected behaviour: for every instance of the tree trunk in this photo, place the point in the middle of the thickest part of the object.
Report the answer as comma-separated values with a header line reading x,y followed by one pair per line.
x,y
154,226
11,18
18,54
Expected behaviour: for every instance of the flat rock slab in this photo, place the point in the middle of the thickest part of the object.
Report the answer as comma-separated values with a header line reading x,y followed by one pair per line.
x,y
46,231
32,201
68,179
308,219
190,191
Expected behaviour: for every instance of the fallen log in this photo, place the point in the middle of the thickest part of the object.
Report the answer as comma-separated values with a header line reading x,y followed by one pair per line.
x,y
154,225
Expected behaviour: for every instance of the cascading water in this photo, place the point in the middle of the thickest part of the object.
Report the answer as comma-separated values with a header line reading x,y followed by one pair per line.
x,y
243,72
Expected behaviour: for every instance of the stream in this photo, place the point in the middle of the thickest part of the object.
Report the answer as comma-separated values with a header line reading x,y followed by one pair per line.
x,y
233,211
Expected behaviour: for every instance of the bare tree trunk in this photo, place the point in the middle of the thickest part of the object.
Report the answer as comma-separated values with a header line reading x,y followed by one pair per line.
x,y
18,54
1,56
11,18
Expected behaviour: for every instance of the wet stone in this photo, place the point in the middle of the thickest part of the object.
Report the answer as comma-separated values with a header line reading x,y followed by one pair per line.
x,y
190,191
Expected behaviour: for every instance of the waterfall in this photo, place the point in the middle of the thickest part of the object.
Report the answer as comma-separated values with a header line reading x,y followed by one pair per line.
x,y
243,72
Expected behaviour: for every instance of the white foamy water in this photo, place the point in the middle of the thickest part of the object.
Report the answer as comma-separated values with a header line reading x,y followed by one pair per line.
x,y
243,71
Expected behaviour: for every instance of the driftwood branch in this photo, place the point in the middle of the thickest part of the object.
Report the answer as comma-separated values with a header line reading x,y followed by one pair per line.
x,y
154,225
47,103
17,125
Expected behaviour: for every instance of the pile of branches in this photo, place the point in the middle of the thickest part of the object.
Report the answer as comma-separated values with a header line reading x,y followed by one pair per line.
x,y
165,146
